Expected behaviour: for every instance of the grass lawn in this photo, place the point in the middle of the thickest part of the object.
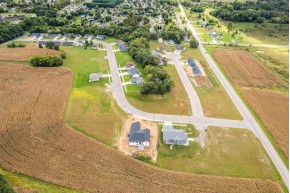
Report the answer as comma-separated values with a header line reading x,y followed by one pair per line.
x,y
122,58
214,101
90,108
110,40
34,185
205,37
176,102
228,152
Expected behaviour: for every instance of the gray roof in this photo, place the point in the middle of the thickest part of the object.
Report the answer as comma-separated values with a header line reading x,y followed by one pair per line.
x,y
137,80
140,136
170,133
134,127
133,71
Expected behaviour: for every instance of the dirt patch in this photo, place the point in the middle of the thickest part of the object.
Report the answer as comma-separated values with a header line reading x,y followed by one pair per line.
x,y
25,54
245,70
273,110
128,150
203,81
35,141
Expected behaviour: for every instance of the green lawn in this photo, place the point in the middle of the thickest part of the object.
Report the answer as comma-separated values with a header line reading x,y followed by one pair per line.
x,y
176,102
90,108
205,37
228,152
215,101
110,40
23,181
122,58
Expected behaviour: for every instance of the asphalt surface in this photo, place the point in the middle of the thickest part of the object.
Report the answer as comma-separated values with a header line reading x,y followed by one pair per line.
x,y
249,120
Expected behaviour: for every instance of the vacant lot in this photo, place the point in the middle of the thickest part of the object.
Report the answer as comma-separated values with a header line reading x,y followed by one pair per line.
x,y
91,109
273,109
215,101
228,152
36,141
245,70
24,54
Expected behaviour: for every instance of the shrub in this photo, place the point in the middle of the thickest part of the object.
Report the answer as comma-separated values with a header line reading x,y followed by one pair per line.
x,y
4,187
46,61
144,158
63,55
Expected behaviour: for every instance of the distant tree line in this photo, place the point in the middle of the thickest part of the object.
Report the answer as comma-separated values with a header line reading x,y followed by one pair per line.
x,y
261,11
46,61
9,31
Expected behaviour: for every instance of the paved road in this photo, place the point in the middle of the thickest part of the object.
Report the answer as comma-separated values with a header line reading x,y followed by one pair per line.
x,y
249,120
197,119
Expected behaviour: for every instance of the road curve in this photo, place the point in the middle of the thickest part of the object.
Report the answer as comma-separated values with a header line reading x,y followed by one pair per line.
x,y
199,120
249,120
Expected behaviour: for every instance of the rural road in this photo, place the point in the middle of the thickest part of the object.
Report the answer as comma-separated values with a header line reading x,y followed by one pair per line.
x,y
249,120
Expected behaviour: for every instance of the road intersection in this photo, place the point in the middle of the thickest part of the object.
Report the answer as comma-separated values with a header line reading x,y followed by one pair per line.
x,y
249,120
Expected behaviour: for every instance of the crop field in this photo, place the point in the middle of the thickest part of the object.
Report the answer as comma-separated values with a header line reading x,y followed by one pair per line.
x,y
273,109
245,70
36,141
24,54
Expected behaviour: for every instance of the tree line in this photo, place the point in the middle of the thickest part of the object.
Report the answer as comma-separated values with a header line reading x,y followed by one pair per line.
x,y
9,31
4,186
261,11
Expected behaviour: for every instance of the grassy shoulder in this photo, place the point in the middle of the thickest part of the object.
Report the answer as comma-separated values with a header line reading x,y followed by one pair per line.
x,y
210,49
175,102
228,152
215,101
27,184
91,108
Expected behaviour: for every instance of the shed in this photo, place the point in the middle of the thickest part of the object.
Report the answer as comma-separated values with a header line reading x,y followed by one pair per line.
x,y
95,77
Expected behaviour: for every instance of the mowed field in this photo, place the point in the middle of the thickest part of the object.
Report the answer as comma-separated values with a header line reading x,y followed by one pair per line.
x,y
245,70
24,54
36,141
273,110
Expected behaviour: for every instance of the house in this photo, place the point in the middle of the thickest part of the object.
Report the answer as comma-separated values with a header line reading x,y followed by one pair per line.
x,y
137,137
101,37
95,77
68,43
171,42
134,72
139,81
89,35
120,42
194,67
173,136
162,61
95,47
53,35
160,40
179,48
162,49
130,65
123,48
155,53
80,43
35,35
42,42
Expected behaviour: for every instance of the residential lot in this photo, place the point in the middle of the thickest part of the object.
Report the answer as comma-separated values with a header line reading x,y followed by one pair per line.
x,y
129,150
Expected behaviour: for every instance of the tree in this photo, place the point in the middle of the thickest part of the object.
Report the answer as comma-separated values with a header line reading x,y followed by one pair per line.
x,y
63,54
193,43
40,45
46,61
49,44
230,26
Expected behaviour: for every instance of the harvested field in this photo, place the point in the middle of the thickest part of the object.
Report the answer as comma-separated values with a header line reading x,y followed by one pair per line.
x,y
245,70
273,110
203,81
36,141
24,54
